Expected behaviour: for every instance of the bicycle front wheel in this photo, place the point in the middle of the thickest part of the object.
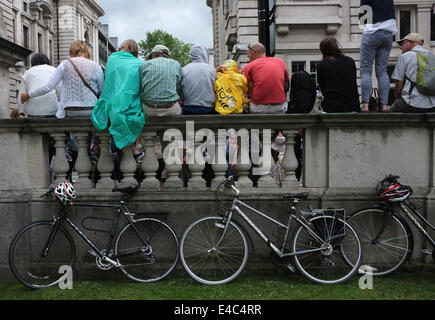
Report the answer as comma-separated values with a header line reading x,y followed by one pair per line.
x,y
384,251
332,261
147,249
207,257
34,268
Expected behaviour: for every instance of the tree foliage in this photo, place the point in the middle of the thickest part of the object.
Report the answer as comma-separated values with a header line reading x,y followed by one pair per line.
x,y
180,51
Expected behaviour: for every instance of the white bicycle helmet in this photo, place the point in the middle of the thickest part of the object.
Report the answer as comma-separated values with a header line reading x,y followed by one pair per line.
x,y
65,192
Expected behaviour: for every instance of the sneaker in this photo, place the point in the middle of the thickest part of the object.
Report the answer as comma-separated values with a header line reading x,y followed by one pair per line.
x,y
139,157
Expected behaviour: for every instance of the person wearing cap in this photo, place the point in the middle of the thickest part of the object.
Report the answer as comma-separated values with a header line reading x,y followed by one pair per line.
x,y
409,99
161,84
376,45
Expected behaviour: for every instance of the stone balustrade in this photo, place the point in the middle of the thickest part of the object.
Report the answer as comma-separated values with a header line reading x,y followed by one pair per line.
x,y
344,157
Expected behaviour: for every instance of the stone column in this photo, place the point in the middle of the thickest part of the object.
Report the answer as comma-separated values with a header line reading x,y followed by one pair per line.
x,y
290,162
265,162
150,163
83,165
105,163
219,164
61,164
128,167
196,182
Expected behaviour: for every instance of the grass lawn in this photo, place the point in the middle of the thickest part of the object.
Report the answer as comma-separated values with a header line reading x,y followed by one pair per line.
x,y
400,286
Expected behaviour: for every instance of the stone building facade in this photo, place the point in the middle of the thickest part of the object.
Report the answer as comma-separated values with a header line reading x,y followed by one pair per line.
x,y
49,27
300,25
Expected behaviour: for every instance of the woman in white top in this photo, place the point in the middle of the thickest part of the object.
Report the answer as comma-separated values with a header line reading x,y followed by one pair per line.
x,y
45,106
77,100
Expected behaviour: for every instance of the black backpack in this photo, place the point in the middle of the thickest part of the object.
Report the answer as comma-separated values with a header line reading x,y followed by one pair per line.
x,y
302,93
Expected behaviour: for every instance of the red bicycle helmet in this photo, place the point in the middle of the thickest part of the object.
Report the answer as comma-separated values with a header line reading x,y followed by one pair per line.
x,y
390,189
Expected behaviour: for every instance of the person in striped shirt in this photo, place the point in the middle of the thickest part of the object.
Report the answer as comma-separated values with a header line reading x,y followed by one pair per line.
x,y
161,84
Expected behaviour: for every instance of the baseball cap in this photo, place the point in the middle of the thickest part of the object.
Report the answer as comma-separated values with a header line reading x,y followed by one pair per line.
x,y
161,49
412,37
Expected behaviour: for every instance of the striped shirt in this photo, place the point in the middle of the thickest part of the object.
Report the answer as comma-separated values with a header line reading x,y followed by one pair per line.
x,y
160,80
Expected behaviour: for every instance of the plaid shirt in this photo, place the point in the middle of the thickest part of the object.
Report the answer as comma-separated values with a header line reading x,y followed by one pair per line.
x,y
160,80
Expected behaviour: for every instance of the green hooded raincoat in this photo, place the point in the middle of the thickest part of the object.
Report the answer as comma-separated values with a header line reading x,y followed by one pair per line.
x,y
120,101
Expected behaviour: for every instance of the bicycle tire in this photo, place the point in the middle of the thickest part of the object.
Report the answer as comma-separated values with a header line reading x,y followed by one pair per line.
x,y
149,266
28,265
335,263
392,250
203,261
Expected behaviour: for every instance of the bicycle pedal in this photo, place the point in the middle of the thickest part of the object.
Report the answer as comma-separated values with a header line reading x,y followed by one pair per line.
x,y
291,268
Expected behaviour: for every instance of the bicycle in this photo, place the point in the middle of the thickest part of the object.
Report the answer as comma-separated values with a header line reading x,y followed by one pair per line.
x,y
324,247
387,239
145,250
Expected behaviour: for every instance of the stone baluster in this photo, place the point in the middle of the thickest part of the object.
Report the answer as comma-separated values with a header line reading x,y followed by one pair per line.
x,y
150,163
220,163
265,162
83,165
105,164
61,164
243,164
128,167
290,162
196,182
173,151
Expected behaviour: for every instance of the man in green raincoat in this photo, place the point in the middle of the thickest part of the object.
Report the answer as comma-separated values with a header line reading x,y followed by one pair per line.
x,y
120,103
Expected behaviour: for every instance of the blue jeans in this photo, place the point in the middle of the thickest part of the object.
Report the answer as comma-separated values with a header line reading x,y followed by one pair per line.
x,y
375,48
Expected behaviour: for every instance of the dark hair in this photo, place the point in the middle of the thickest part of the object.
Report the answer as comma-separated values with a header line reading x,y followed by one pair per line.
x,y
330,49
39,59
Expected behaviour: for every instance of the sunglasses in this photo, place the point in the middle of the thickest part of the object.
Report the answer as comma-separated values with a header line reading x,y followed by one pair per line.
x,y
250,48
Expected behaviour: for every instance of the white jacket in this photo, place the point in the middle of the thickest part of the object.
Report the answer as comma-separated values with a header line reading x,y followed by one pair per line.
x,y
46,105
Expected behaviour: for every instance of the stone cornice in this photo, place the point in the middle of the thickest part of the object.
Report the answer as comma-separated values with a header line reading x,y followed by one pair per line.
x,y
100,11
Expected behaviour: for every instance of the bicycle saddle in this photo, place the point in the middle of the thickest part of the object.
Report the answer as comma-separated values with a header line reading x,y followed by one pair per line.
x,y
299,196
128,190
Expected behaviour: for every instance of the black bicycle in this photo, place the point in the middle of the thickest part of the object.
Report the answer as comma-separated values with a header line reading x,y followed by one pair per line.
x,y
386,237
145,250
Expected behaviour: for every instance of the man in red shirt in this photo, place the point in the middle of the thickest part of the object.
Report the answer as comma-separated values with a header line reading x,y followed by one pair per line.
x,y
268,81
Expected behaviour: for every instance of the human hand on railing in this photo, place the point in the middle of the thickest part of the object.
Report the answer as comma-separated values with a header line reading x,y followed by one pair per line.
x,y
25,97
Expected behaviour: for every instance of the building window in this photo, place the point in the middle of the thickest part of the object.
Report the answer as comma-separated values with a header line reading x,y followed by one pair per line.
x,y
26,37
298,66
432,24
406,21
40,43
25,6
313,72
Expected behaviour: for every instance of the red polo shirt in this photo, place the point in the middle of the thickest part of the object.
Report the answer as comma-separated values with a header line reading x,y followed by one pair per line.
x,y
268,75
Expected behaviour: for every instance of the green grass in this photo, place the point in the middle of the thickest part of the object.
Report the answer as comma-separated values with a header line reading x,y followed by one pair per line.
x,y
400,286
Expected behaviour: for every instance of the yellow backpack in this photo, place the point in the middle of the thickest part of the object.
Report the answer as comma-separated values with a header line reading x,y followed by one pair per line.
x,y
230,88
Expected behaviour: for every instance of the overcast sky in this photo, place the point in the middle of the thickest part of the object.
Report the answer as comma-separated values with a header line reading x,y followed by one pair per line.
x,y
188,20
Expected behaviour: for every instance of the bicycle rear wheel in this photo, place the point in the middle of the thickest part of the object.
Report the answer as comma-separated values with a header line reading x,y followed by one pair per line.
x,y
208,261
28,263
330,263
153,260
392,248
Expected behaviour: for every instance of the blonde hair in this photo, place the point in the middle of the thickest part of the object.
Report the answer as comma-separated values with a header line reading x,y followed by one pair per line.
x,y
79,48
130,46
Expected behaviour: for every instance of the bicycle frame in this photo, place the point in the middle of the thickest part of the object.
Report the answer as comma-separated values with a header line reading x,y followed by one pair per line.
x,y
237,204
121,209
409,211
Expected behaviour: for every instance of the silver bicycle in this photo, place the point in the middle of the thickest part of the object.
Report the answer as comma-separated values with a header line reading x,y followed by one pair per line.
x,y
324,247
